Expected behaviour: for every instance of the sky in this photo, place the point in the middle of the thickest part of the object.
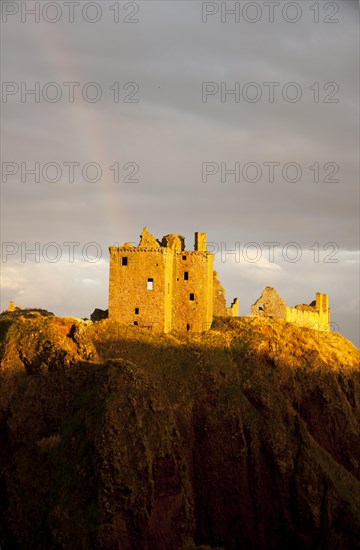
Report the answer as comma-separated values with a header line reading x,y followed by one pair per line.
x,y
240,119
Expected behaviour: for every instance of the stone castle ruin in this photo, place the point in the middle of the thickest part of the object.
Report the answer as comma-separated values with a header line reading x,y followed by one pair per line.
x,y
160,285
316,315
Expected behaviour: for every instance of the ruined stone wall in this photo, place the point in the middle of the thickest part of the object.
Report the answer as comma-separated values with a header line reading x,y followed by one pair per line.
x,y
168,288
181,293
270,304
193,291
131,298
220,308
233,310
219,298
314,316
303,318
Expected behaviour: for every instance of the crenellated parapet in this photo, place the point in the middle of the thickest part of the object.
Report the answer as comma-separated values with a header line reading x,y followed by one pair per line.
x,y
316,315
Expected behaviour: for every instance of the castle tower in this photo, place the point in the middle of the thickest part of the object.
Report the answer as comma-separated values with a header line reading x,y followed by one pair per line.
x,y
162,286
193,288
139,283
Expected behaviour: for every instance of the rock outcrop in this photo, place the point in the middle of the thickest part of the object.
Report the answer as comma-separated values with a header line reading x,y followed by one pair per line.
x,y
116,438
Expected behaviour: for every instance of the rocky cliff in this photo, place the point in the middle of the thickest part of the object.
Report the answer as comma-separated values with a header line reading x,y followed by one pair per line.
x,y
117,438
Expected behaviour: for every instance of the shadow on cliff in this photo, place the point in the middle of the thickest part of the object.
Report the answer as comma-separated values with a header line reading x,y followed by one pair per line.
x,y
271,447
230,439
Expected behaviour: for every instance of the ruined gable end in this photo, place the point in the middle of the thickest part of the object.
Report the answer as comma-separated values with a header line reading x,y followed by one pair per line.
x,y
270,304
147,240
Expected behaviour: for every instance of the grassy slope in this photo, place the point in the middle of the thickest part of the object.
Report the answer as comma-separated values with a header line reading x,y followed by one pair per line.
x,y
114,437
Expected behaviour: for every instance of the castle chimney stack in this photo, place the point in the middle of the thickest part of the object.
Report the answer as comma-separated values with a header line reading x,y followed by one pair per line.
x,y
200,242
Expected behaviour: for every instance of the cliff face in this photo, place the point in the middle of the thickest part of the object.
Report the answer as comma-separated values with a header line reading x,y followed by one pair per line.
x,y
114,438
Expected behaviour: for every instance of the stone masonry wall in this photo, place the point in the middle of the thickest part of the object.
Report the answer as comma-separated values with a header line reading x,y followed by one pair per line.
x,y
270,304
219,298
131,298
162,286
193,291
316,315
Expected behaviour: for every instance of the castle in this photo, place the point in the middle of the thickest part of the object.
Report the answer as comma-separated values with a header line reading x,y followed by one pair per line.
x,y
162,286
315,315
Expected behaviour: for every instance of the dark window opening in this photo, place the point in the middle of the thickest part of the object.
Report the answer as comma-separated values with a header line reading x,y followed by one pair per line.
x,y
261,308
135,323
124,261
184,257
192,296
150,284
136,311
186,276
188,327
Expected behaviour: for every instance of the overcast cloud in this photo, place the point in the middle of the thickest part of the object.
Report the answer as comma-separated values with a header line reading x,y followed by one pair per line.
x,y
164,139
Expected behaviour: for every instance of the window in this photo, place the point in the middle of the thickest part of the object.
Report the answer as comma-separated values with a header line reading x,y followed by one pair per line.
x,y
186,275
124,260
150,284
135,323
188,327
192,297
184,257
136,311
